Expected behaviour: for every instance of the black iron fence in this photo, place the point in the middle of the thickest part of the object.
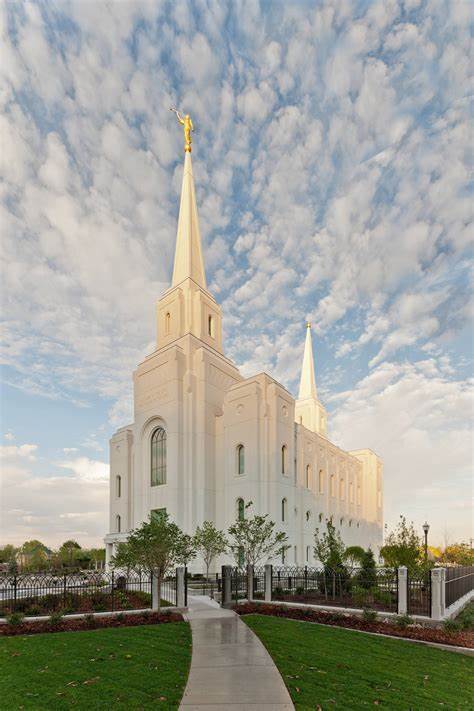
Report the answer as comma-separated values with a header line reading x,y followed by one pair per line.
x,y
238,584
88,591
355,587
419,593
200,584
459,581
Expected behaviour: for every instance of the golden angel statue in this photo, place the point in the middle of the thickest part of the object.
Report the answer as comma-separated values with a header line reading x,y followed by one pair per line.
x,y
188,127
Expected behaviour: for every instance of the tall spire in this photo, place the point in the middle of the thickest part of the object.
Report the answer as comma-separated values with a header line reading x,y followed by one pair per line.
x,y
308,381
188,262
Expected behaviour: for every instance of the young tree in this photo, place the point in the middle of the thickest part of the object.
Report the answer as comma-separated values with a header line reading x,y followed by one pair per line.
x,y
68,552
329,548
403,547
186,550
7,553
255,540
154,546
209,542
354,556
367,576
457,554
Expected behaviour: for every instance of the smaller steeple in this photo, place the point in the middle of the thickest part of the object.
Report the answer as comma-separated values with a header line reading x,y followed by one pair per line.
x,y
308,410
308,381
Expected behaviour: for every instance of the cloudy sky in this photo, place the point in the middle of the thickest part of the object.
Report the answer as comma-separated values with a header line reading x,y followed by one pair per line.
x,y
331,163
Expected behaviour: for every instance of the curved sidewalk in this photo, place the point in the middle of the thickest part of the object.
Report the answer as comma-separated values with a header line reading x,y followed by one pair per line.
x,y
230,667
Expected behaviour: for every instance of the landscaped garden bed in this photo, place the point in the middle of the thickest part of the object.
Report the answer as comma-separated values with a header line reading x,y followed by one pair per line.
x,y
328,667
144,667
70,602
58,623
400,627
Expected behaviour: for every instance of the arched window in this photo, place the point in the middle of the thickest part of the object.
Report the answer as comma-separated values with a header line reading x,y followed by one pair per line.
x,y
118,486
118,523
321,481
358,496
158,457
308,476
284,457
308,515
341,489
240,459
168,323
333,485
240,509
283,509
351,492
295,552
341,521
320,518
210,326
308,553
350,523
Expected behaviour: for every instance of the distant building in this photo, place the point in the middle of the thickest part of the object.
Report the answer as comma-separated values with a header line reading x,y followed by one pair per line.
x,y
205,440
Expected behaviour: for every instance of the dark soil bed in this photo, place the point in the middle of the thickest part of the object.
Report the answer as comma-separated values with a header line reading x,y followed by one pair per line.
x,y
463,638
89,623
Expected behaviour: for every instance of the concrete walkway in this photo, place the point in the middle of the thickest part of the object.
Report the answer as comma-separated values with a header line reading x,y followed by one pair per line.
x,y
230,667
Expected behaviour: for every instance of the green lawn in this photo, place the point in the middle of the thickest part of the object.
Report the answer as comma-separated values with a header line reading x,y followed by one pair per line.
x,y
126,668
326,667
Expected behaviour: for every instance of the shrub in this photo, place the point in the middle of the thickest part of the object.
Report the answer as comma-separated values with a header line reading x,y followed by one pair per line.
x,y
56,618
90,621
15,619
403,621
382,596
451,626
299,591
119,617
369,615
359,595
278,591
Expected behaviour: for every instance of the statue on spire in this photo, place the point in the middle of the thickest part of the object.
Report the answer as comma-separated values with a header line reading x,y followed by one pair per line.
x,y
188,127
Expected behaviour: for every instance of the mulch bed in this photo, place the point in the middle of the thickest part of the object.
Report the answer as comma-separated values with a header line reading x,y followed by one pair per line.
x,y
92,623
464,638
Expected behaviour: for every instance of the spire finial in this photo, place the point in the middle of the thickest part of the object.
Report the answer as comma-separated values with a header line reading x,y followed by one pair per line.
x,y
308,324
188,127
308,381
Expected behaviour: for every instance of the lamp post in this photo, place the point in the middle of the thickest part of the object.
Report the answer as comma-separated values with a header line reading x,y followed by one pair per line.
x,y
426,528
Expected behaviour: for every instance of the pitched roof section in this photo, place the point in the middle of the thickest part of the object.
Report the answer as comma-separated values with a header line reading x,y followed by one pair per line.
x,y
188,262
308,381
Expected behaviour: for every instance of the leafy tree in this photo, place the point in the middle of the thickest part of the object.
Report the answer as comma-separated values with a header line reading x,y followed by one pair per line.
x,y
457,554
7,553
154,546
68,551
34,555
186,550
255,540
403,546
329,548
209,542
354,556
367,576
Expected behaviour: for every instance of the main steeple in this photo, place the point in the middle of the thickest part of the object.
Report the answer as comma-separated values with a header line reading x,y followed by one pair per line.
x,y
308,410
188,261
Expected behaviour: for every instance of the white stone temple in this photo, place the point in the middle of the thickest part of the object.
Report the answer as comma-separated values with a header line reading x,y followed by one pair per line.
x,y
205,440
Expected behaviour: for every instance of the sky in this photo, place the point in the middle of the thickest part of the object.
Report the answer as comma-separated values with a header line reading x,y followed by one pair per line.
x,y
331,160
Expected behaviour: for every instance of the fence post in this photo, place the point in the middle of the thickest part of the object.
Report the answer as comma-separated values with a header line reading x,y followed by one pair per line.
x,y
180,596
402,590
154,592
113,591
268,582
226,586
249,582
64,589
15,585
438,577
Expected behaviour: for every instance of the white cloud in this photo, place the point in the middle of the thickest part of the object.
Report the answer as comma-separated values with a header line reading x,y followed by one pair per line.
x,y
22,451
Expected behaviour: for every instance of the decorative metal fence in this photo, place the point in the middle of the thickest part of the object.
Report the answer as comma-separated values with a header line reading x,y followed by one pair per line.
x,y
199,584
459,581
348,588
259,583
238,584
419,593
89,591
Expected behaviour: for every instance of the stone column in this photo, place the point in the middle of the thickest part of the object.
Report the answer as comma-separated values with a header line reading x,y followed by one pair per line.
x,y
402,590
226,586
180,597
250,583
438,579
268,582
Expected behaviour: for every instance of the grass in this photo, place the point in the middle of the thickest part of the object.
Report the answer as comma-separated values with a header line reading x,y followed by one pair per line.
x,y
326,667
125,668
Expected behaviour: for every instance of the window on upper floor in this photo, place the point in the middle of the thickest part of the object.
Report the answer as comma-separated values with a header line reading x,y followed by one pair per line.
x,y
333,485
308,553
167,324
118,524
118,486
341,489
359,496
308,476
240,459
351,492
158,457
210,326
321,481
240,509
308,515
295,554
284,507
284,459
320,517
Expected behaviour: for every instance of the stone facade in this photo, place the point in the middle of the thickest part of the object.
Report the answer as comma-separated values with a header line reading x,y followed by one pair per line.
x,y
288,467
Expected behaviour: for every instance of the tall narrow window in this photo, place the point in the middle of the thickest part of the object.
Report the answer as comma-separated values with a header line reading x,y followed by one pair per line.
x,y
118,523
158,457
358,496
283,556
308,553
283,509
284,457
240,509
118,486
351,492
168,323
210,326
295,550
321,481
308,476
341,489
240,459
333,485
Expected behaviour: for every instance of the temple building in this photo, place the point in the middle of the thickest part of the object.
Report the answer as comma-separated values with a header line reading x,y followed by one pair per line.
x,y
205,440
